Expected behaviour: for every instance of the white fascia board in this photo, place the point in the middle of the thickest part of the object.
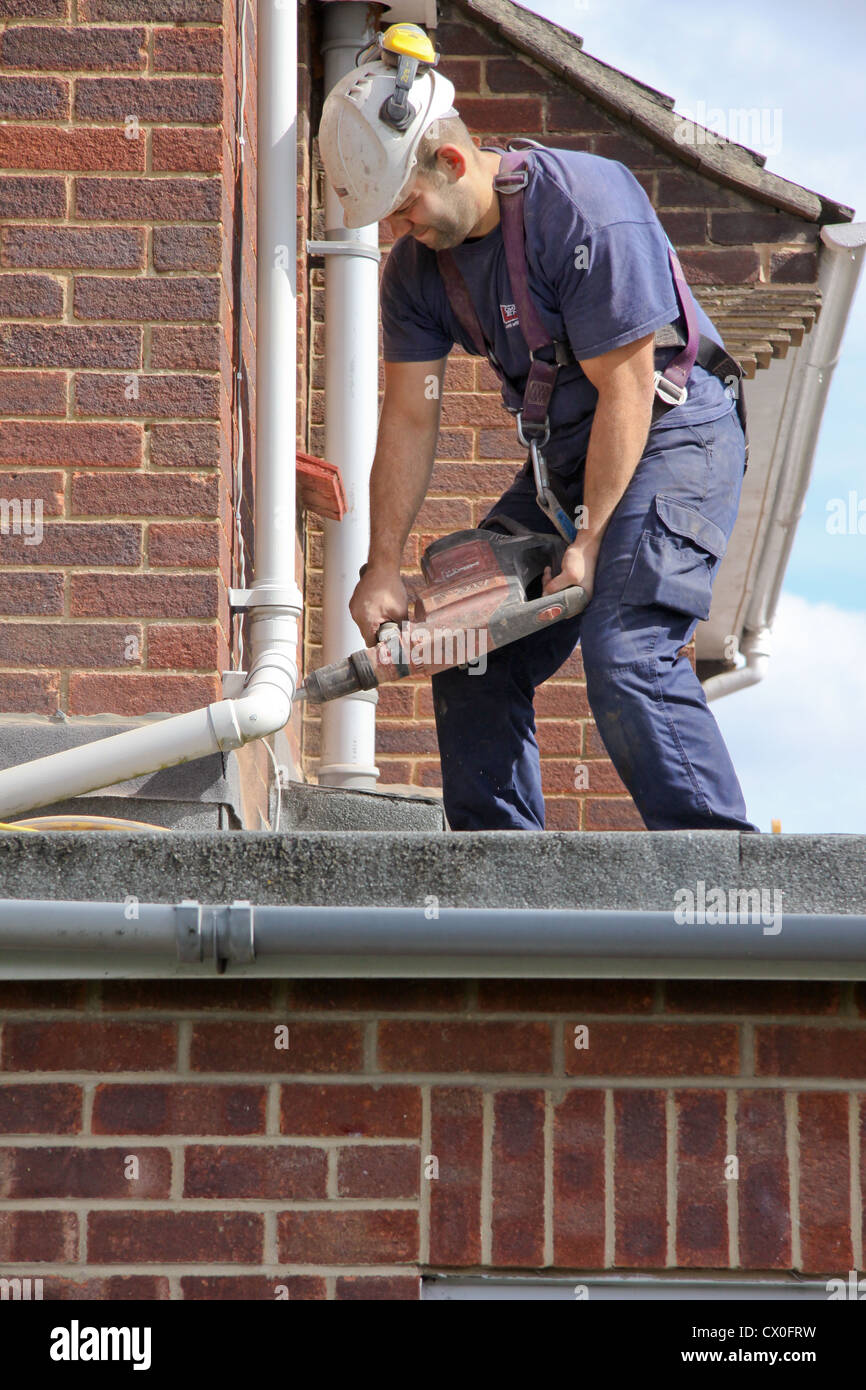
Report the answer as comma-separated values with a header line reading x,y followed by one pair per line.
x,y
786,404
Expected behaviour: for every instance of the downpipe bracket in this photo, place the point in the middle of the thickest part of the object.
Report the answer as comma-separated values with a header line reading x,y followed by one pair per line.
x,y
265,596
344,248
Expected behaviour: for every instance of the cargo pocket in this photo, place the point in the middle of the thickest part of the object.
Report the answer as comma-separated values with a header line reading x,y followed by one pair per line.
x,y
676,559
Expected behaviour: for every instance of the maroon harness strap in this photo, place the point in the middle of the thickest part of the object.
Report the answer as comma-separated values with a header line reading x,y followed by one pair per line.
x,y
509,183
461,302
679,369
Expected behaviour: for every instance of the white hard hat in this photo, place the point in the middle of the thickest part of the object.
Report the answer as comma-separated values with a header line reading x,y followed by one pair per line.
x,y
368,161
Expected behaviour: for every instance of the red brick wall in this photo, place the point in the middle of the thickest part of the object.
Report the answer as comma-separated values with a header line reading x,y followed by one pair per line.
x,y
723,239
305,1167
127,306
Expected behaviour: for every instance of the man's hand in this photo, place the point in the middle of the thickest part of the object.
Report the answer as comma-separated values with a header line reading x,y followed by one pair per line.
x,y
578,567
379,595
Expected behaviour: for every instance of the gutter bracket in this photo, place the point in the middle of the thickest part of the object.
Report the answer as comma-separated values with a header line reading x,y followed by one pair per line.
x,y
234,934
187,917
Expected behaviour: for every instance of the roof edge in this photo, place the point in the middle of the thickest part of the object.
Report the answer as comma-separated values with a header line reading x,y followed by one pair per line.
x,y
650,112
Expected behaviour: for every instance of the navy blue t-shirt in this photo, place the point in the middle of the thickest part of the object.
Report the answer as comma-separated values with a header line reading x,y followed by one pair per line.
x,y
599,274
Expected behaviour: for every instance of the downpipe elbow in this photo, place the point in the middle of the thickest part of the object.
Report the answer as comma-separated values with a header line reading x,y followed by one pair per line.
x,y
265,706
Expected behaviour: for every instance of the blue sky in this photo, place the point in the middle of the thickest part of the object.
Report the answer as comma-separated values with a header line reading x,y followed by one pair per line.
x,y
796,738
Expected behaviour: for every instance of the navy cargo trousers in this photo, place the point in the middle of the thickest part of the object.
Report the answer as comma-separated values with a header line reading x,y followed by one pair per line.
x,y
654,576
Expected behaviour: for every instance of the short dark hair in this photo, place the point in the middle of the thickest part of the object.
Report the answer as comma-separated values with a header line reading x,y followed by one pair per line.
x,y
447,130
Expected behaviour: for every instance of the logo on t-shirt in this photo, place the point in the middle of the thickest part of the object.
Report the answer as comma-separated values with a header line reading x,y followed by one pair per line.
x,y
509,314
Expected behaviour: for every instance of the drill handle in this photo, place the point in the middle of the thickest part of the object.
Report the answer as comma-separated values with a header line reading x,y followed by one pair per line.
x,y
518,620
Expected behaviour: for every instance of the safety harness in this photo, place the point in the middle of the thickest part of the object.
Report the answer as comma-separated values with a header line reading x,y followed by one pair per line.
x,y
532,416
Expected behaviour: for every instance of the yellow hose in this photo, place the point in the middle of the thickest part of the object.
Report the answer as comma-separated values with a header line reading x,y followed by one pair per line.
x,y
39,823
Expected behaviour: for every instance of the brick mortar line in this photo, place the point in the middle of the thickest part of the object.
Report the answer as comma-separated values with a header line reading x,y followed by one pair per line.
x,y
856,1188
194,1270
549,1196
75,122
426,1150
150,373
115,420
178,1169
494,1080
747,1048
97,620
121,25
99,224
331,1175
139,273
272,1110
792,1153
166,1206
230,1014
82,1238
487,1122
87,1100
731,1185
130,572
184,1047
609,1181
187,175
671,1141
557,1066
370,1041
847,1000
270,1240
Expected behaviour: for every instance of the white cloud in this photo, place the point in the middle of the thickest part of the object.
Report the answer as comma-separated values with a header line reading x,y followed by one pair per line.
x,y
797,738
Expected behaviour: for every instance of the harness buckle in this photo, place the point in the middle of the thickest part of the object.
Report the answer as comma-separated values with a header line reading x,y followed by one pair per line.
x,y
668,391
511,181
538,434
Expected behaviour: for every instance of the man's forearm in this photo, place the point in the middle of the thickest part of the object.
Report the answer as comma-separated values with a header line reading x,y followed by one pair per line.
x,y
399,480
617,440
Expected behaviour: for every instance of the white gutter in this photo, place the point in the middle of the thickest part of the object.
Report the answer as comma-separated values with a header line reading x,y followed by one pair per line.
x,y
273,605
348,749
83,939
839,268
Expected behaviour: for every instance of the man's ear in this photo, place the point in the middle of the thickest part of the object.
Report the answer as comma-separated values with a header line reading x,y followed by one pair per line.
x,y
451,161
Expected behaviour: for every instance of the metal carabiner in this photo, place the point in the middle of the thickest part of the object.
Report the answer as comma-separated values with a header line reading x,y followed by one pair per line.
x,y
540,440
546,498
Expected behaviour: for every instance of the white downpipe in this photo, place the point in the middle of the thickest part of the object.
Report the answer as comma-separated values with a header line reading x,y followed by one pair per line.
x,y
348,749
838,274
274,603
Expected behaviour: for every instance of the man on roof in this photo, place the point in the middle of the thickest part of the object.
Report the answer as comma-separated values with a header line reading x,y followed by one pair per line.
x,y
632,409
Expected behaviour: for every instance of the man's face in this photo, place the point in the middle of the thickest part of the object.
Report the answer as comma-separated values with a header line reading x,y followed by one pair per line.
x,y
438,214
